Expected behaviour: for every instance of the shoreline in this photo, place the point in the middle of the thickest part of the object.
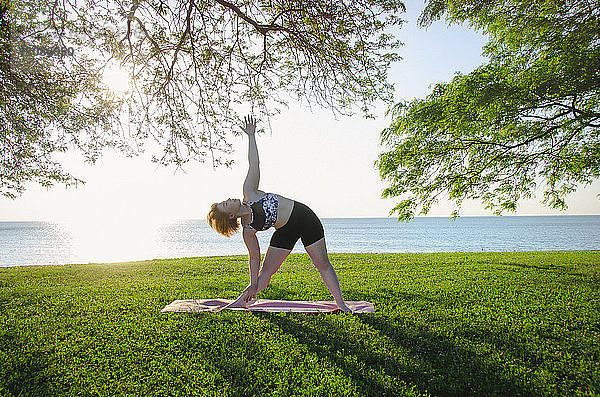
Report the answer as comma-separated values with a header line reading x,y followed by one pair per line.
x,y
35,265
46,245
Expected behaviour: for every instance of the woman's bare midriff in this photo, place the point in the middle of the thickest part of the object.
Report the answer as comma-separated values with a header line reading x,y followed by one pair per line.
x,y
284,211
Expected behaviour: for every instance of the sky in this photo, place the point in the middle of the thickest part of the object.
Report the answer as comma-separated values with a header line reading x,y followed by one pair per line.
x,y
311,156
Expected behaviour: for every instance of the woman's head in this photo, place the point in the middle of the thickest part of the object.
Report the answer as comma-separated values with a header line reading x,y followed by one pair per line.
x,y
223,217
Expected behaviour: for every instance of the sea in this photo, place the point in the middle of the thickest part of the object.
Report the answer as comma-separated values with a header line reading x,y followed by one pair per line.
x,y
47,243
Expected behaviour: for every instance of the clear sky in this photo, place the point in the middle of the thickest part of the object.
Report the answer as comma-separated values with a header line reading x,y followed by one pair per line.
x,y
310,156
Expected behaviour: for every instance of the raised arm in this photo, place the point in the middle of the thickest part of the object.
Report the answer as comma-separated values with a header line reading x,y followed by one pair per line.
x,y
253,176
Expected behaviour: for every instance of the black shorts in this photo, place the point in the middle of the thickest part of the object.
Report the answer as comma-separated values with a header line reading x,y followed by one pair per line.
x,y
303,224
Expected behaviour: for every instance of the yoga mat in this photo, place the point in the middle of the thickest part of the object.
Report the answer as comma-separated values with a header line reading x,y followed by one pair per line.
x,y
267,305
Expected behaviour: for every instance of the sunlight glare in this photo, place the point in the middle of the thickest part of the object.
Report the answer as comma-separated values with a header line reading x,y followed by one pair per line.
x,y
116,79
112,240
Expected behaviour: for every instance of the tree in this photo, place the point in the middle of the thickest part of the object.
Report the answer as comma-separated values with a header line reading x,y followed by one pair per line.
x,y
530,115
192,64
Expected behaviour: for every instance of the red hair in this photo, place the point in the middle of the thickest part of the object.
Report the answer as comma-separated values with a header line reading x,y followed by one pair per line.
x,y
221,222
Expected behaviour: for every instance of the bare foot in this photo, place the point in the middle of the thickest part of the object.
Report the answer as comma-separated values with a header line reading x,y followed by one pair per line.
x,y
345,309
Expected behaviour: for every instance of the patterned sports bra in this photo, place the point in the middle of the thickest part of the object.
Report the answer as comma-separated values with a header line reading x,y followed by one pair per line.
x,y
264,212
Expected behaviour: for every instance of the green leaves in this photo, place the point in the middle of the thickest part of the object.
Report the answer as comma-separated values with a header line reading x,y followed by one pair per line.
x,y
531,114
192,66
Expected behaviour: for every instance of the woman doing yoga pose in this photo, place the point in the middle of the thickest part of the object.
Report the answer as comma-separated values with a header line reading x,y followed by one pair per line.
x,y
291,219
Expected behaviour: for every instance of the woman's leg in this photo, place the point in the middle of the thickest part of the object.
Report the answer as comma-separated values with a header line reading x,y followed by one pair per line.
x,y
273,260
317,252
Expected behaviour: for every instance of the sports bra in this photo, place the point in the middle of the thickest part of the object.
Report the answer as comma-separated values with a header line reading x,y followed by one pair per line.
x,y
264,212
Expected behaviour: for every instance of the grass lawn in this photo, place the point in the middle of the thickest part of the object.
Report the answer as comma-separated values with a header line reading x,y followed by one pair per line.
x,y
445,324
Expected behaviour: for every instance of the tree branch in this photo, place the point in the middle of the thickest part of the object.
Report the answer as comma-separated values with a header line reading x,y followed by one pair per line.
x,y
181,40
245,17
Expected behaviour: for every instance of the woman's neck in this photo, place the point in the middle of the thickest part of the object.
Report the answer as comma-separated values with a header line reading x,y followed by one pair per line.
x,y
245,212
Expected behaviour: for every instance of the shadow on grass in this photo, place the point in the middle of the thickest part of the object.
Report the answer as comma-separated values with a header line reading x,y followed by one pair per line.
x,y
455,370
417,357
232,355
25,374
329,344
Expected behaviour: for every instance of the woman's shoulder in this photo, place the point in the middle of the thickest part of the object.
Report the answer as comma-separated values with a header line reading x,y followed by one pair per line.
x,y
253,196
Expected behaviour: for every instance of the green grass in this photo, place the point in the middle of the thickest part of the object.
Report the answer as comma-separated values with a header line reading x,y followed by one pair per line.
x,y
446,324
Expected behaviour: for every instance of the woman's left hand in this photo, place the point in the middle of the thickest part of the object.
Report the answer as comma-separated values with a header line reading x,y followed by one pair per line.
x,y
250,125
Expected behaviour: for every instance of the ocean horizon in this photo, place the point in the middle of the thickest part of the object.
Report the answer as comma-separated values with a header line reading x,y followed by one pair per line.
x,y
24,243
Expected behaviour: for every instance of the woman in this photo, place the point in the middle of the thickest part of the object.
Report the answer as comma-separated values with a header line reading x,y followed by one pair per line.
x,y
291,219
